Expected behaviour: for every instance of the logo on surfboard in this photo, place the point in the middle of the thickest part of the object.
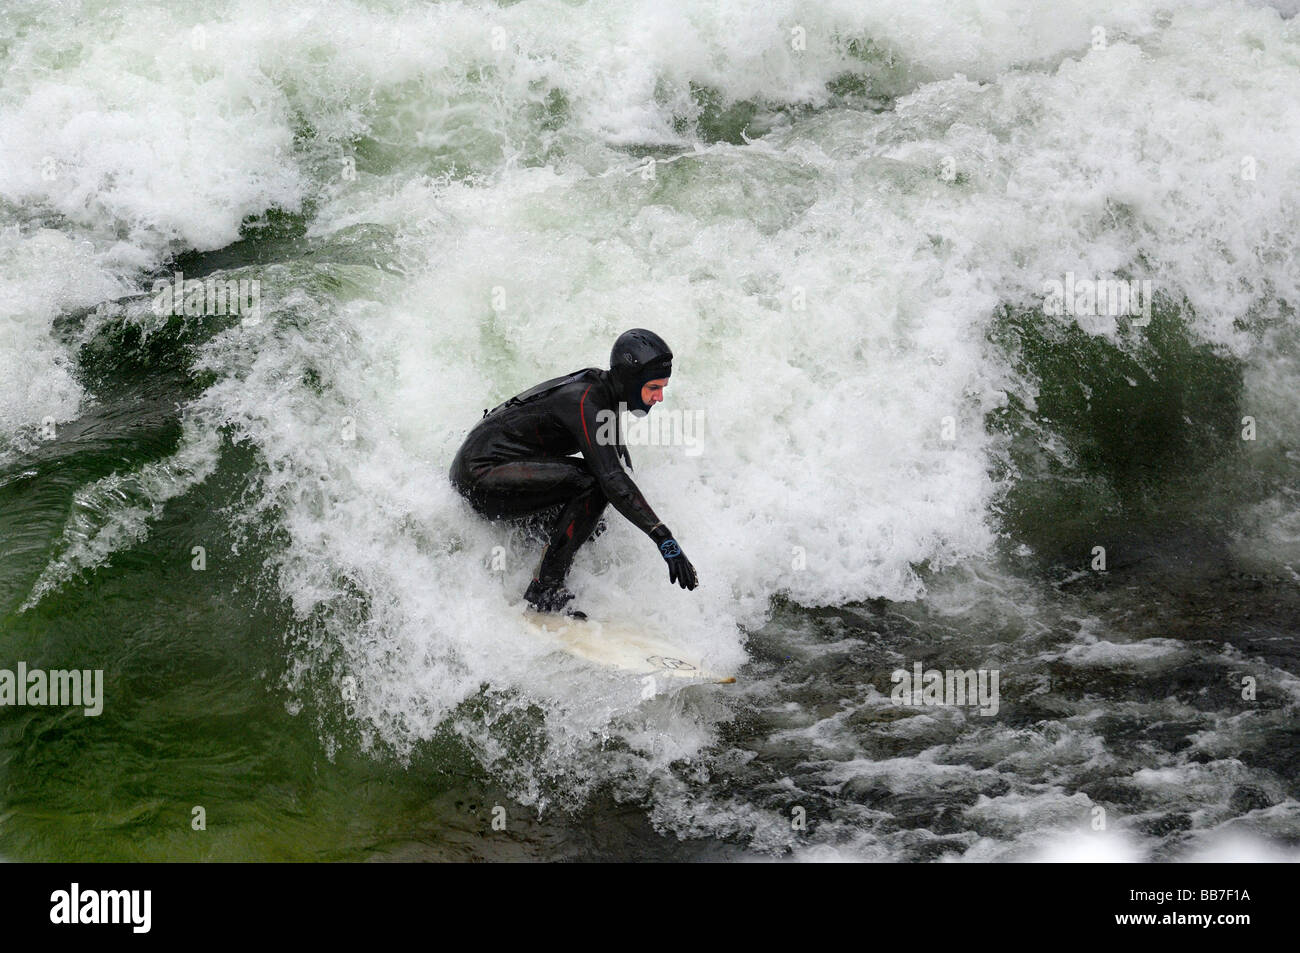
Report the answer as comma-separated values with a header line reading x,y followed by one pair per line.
x,y
668,662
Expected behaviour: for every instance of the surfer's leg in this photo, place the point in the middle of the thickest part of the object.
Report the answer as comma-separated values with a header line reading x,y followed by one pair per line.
x,y
524,488
546,593
575,525
528,487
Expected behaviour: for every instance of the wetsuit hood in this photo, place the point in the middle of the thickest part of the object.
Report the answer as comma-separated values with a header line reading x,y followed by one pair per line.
x,y
638,356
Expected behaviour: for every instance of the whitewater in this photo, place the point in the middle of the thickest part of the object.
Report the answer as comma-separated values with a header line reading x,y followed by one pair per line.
x,y
845,218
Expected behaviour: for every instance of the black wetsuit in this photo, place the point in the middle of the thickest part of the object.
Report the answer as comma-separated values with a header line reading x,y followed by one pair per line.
x,y
516,462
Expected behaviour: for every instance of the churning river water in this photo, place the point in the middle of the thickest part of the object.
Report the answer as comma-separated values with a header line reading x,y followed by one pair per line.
x,y
846,218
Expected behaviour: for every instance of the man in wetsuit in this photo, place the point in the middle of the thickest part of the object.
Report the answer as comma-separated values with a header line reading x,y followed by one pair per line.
x,y
516,461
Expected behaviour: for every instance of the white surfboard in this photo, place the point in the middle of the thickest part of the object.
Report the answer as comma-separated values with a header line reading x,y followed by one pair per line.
x,y
622,646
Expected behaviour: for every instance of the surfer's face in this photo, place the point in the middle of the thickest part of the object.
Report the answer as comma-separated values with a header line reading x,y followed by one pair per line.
x,y
653,391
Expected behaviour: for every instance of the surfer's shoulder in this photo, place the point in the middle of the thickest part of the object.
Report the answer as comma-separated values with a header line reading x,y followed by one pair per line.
x,y
587,384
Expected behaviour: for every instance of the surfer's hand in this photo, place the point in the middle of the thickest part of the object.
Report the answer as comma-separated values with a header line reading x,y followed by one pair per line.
x,y
680,569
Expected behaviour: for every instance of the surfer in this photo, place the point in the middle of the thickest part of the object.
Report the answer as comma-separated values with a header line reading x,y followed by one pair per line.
x,y
517,461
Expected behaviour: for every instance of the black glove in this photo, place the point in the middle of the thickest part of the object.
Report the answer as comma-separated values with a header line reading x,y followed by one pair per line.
x,y
680,569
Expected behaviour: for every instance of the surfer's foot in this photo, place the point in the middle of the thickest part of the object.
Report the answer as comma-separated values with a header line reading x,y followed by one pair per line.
x,y
551,599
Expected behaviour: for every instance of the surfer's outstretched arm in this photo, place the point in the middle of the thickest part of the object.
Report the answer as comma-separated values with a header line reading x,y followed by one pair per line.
x,y
602,457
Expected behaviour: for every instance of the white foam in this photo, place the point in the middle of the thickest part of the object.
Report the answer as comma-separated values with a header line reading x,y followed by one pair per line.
x,y
825,442
824,424
115,512
42,272
1088,847
1109,654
